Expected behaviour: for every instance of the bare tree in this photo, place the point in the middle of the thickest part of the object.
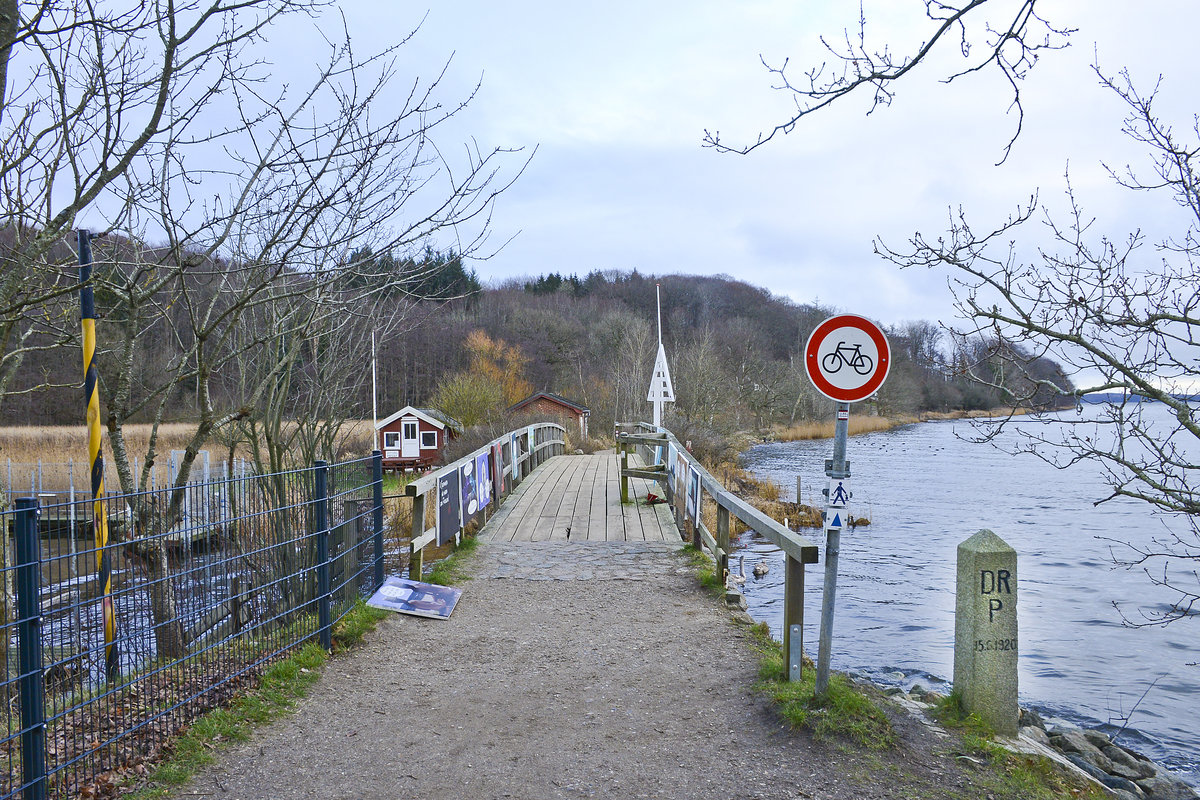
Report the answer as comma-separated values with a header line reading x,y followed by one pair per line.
x,y
1122,316
223,196
1120,313
990,36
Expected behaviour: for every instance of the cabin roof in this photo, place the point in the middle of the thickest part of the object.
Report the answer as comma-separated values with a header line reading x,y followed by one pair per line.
x,y
429,415
554,398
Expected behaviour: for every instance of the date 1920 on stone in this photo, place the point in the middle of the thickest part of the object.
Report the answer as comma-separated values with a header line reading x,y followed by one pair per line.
x,y
986,645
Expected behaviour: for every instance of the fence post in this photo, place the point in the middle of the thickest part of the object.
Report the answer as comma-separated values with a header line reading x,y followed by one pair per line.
x,y
377,513
415,565
29,643
321,508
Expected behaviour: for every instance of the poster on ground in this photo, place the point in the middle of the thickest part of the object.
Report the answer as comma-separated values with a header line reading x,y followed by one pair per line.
x,y
415,598
449,520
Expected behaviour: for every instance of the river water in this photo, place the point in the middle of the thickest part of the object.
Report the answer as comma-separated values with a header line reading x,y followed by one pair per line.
x,y
926,490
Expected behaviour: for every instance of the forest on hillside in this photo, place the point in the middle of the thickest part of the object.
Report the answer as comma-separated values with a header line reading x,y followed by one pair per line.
x,y
734,352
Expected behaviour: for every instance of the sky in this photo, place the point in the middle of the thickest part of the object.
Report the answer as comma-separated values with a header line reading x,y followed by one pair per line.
x,y
616,97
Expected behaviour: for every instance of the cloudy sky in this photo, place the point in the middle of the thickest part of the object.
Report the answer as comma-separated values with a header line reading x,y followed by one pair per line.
x,y
616,98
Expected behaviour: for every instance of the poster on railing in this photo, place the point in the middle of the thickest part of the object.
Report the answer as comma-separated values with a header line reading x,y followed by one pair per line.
x,y
671,466
693,496
475,484
498,468
416,598
449,520
681,476
483,478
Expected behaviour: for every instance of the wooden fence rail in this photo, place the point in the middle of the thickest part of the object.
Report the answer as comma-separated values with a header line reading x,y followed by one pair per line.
x,y
657,447
521,451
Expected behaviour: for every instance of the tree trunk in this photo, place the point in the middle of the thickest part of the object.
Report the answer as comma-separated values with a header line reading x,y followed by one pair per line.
x,y
168,629
9,20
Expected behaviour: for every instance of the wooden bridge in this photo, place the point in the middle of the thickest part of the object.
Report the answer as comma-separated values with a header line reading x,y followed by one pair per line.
x,y
583,660
541,494
578,499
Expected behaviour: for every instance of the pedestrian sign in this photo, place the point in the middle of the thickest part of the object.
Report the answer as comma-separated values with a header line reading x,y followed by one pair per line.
x,y
839,493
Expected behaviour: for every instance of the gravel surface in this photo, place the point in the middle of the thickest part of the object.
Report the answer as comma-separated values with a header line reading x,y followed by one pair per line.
x,y
567,670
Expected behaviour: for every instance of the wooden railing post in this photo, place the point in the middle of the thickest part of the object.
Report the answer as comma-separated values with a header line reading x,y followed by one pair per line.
x,y
723,543
793,616
418,528
624,476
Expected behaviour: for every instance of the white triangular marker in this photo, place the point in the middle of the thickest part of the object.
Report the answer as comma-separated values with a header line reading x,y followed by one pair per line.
x,y
660,385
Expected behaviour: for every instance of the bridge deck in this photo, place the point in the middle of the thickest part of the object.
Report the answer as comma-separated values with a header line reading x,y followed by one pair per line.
x,y
578,498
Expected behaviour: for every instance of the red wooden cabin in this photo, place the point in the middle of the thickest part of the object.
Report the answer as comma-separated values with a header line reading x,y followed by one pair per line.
x,y
413,438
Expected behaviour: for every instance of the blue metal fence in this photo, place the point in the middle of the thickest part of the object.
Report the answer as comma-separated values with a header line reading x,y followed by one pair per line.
x,y
211,582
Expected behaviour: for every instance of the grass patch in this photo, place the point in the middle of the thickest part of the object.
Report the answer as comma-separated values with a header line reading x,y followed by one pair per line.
x,y
844,711
357,623
281,685
1009,774
394,482
449,570
706,569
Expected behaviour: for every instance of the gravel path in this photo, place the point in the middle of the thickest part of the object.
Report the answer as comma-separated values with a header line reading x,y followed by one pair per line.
x,y
567,670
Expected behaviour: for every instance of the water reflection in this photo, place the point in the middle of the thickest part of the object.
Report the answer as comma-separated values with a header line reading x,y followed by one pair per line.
x,y
925,491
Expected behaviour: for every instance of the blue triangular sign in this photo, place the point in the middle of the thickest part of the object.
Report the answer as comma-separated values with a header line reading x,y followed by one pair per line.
x,y
837,521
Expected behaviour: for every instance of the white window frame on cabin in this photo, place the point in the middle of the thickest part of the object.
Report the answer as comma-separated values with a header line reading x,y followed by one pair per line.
x,y
391,440
427,434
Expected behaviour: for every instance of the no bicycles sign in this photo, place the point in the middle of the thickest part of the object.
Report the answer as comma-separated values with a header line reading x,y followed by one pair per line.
x,y
847,358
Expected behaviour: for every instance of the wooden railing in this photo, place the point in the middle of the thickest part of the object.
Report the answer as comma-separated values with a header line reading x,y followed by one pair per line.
x,y
521,451
657,446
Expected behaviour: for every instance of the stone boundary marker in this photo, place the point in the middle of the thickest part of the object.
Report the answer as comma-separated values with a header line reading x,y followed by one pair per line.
x,y
985,631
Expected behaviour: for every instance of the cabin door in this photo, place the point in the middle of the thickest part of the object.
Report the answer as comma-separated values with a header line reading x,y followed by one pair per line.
x,y
410,444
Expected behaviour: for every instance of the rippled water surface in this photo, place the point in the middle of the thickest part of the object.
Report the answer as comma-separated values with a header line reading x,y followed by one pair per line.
x,y
925,491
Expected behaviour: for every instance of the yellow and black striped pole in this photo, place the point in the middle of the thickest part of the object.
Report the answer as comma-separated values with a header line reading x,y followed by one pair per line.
x,y
91,395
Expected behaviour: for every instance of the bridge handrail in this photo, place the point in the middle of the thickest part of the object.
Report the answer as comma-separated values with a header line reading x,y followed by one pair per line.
x,y
549,440
798,550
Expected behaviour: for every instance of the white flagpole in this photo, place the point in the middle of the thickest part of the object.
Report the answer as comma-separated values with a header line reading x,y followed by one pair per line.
x,y
658,403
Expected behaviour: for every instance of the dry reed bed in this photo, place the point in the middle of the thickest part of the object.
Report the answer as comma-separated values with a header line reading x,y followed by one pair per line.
x,y
824,430
63,449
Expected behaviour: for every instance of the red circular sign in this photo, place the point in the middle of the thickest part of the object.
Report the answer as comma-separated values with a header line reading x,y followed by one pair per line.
x,y
847,358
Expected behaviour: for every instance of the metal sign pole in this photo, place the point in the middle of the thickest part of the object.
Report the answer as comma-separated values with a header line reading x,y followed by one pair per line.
x,y
837,470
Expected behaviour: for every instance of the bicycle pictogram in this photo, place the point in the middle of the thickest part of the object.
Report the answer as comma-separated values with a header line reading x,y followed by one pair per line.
x,y
848,355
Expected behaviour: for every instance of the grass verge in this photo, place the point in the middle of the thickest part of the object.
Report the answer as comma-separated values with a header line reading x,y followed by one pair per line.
x,y
281,685
449,570
1009,774
844,711
706,569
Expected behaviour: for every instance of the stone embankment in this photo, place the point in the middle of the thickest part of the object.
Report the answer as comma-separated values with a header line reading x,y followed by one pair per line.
x,y
1128,774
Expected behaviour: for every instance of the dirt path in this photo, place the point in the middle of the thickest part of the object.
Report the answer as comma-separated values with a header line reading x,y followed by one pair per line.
x,y
569,670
